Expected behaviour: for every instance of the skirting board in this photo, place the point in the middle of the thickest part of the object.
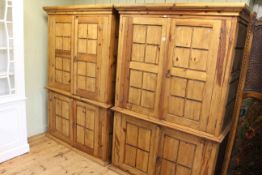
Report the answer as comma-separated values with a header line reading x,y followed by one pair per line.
x,y
13,152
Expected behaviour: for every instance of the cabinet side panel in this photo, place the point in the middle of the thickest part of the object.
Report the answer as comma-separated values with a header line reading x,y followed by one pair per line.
x,y
235,73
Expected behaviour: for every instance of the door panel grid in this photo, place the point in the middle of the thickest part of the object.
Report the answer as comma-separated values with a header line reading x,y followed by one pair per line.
x,y
145,58
191,72
88,57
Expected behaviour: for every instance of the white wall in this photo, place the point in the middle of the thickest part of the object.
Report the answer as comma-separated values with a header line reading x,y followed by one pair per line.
x,y
35,34
152,1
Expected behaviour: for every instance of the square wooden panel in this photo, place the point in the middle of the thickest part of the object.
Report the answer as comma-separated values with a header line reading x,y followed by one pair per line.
x,y
65,109
65,127
195,90
181,57
82,30
67,29
136,78
186,154
131,134
201,37
81,68
66,44
183,35
138,52
143,141
134,96
170,148
192,110
92,31
198,60
152,54
149,81
81,82
59,29
59,63
148,99
178,86
90,84
153,35
130,155
139,35
91,69
167,168
91,47
80,115
80,135
66,78
89,138
90,119
142,158
66,64
59,43
176,106
82,46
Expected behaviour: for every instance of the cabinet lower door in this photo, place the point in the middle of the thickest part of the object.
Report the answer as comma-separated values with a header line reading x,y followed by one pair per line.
x,y
184,154
60,116
86,127
135,145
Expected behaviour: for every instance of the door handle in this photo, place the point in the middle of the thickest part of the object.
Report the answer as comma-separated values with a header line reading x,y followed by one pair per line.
x,y
168,73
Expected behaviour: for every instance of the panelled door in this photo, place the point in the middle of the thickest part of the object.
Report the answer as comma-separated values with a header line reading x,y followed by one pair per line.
x,y
88,56
179,154
60,51
86,127
61,116
191,70
138,142
140,68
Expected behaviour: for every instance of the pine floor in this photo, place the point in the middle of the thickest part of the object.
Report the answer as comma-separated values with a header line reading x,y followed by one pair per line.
x,y
49,157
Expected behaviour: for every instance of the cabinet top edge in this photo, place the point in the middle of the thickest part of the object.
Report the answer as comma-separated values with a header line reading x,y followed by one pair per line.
x,y
194,7
80,8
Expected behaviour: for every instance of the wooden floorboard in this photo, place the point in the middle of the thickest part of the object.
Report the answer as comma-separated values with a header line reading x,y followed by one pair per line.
x,y
49,157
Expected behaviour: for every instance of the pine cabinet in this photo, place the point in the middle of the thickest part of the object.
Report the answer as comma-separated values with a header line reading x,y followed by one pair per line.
x,y
178,71
81,76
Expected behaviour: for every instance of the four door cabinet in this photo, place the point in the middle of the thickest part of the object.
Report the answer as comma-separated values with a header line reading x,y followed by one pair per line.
x,y
178,70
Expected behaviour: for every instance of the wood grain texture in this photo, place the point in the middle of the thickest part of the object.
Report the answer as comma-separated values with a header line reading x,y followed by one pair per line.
x,y
47,156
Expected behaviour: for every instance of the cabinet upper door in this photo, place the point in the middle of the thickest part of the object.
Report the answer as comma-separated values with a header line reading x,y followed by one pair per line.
x,y
60,51
190,72
140,60
89,42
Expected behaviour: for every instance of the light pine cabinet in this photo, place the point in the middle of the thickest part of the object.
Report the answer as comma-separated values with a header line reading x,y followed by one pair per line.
x,y
177,75
81,76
